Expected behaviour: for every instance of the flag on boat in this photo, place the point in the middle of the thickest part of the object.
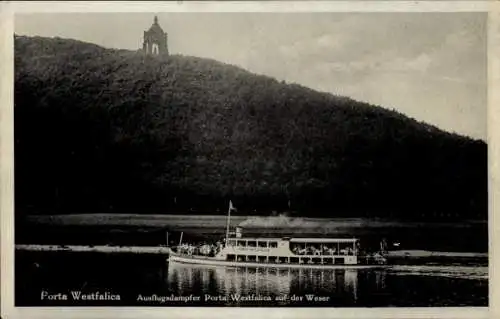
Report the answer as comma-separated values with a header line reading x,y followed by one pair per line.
x,y
231,207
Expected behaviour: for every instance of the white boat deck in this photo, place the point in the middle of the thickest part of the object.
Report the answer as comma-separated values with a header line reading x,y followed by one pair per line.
x,y
201,260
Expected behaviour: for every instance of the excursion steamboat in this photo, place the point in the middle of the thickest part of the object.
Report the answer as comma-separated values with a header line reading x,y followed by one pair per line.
x,y
239,251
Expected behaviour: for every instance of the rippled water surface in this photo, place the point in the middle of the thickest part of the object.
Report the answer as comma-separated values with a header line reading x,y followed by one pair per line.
x,y
141,280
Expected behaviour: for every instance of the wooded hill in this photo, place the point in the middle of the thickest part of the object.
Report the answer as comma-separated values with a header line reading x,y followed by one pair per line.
x,y
102,130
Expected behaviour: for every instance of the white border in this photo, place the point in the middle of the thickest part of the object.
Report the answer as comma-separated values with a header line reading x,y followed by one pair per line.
x,y
493,123
252,6
7,11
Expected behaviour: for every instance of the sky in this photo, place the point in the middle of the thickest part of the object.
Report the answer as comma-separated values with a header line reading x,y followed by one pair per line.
x,y
429,66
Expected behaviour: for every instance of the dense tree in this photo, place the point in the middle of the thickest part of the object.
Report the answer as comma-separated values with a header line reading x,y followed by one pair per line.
x,y
101,130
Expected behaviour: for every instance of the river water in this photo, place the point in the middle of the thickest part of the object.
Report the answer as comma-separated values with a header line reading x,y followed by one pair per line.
x,y
43,278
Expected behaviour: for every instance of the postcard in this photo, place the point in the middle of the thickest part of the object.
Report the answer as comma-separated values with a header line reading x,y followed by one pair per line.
x,y
274,159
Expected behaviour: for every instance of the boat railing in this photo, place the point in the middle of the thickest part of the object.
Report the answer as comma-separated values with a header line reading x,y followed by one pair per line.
x,y
184,255
323,252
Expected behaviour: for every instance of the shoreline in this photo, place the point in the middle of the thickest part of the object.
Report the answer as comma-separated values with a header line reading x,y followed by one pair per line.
x,y
427,253
163,250
155,230
158,250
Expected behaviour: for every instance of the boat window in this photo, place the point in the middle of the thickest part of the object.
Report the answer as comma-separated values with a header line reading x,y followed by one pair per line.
x,y
273,244
262,244
294,260
262,259
273,259
251,243
241,243
232,242
231,257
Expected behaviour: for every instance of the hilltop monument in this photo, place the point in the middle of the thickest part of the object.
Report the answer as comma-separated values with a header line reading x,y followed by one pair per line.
x,y
155,40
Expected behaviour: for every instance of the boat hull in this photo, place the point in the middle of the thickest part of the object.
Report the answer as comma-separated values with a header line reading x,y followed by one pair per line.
x,y
198,260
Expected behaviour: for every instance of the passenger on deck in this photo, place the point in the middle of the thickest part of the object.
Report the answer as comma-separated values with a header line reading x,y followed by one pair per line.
x,y
302,251
316,251
206,249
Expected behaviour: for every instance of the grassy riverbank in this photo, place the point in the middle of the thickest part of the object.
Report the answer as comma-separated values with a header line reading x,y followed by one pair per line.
x,y
151,230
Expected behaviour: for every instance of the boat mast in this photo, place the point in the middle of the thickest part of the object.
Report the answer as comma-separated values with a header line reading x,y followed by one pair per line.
x,y
180,240
228,221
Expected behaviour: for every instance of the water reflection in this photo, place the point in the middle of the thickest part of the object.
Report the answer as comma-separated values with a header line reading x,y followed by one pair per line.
x,y
264,281
401,286
337,284
351,283
380,280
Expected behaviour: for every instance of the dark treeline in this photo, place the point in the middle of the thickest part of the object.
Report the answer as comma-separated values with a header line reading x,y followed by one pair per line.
x,y
102,130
